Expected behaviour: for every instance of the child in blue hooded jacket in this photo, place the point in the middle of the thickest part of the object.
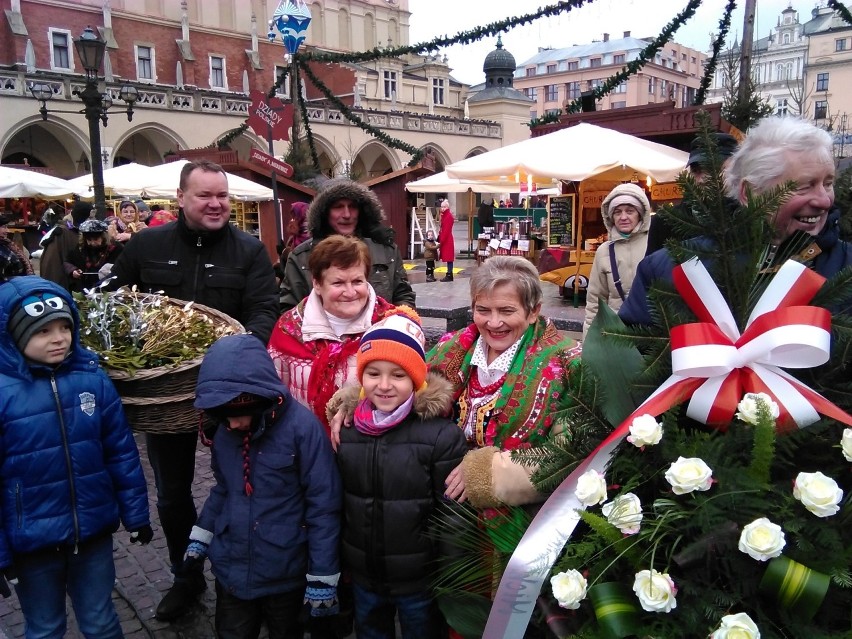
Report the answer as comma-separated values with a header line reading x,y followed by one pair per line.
x,y
69,468
272,521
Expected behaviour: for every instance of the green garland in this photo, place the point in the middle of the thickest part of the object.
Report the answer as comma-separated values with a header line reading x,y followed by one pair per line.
x,y
303,109
230,136
645,56
724,27
463,37
416,154
841,9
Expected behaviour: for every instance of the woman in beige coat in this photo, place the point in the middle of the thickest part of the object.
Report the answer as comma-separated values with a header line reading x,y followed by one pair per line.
x,y
626,214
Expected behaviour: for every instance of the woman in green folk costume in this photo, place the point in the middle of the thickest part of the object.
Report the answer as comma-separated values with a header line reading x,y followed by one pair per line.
x,y
507,373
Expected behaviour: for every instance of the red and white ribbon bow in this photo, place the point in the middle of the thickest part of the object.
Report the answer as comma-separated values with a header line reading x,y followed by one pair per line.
x,y
714,365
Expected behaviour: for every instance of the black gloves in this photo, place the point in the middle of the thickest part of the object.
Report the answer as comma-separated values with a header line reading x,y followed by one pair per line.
x,y
142,535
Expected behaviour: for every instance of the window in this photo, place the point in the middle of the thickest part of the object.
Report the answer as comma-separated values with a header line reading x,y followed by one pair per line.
x,y
437,91
782,107
595,62
786,38
652,85
573,65
533,115
217,72
60,50
551,68
683,56
390,84
554,112
144,63
530,72
551,93
618,105
531,93
822,82
840,44
594,84
618,58
572,90
620,88
693,60
663,88
820,109
283,90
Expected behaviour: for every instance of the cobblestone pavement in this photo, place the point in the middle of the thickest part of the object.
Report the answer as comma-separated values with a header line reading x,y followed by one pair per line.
x,y
142,572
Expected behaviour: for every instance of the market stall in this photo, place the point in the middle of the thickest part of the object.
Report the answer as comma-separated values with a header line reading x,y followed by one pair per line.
x,y
603,159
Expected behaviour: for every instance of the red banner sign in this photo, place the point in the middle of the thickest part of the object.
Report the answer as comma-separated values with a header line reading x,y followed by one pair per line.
x,y
270,118
271,162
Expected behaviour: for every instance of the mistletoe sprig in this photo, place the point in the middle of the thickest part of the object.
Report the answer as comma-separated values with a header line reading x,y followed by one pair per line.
x,y
416,154
463,37
724,27
634,66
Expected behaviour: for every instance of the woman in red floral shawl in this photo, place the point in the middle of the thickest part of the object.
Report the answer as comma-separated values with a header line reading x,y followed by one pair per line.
x,y
313,344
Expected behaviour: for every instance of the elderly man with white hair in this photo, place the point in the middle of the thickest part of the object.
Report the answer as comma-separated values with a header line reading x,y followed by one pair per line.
x,y
776,151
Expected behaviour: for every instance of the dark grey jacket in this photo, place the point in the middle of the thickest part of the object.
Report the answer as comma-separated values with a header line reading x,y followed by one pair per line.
x,y
388,274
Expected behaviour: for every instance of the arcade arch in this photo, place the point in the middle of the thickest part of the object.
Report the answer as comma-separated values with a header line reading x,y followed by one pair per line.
x,y
146,144
55,143
373,160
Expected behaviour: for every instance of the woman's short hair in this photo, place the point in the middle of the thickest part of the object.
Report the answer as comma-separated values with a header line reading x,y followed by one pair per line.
x,y
507,269
339,251
763,157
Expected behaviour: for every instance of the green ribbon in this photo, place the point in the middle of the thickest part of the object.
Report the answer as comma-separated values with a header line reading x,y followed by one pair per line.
x,y
796,587
615,609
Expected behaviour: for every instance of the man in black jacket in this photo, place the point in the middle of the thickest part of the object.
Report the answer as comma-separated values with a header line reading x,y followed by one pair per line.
x,y
203,258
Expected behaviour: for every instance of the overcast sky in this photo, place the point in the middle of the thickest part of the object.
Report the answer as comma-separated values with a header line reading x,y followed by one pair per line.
x,y
431,18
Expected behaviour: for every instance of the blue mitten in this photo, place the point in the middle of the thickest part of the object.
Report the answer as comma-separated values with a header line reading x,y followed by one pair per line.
x,y
321,597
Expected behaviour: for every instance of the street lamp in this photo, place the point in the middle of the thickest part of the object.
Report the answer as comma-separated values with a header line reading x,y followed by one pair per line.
x,y
90,49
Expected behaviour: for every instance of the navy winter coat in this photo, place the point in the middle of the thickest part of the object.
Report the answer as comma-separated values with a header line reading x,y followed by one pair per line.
x,y
69,468
834,255
265,543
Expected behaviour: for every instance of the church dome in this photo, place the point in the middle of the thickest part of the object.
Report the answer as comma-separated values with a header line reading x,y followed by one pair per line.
x,y
499,59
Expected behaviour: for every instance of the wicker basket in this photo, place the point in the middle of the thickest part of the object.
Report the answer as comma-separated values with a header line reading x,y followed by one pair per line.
x,y
160,400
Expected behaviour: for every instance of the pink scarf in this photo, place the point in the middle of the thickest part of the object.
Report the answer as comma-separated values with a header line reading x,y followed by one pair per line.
x,y
371,421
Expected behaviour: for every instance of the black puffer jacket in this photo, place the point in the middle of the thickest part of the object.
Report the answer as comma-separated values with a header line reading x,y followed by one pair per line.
x,y
388,277
391,484
227,269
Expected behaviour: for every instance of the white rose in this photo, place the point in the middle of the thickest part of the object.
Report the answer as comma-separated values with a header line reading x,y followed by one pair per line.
x,y
738,626
747,408
820,494
762,539
655,590
569,588
645,431
846,444
689,474
624,512
591,488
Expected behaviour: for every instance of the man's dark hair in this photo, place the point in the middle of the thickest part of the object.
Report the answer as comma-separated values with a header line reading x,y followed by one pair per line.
x,y
202,165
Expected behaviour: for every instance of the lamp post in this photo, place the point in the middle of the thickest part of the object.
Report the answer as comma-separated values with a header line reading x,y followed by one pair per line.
x,y
90,48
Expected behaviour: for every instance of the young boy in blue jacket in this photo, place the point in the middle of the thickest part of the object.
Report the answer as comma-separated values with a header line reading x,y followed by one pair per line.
x,y
69,468
272,521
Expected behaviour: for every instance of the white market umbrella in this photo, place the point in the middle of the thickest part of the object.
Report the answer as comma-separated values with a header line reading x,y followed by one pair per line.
x,y
24,183
127,179
164,179
574,154
442,183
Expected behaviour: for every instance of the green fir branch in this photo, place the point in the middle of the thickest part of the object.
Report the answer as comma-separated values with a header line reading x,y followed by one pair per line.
x,y
841,9
763,450
303,109
713,61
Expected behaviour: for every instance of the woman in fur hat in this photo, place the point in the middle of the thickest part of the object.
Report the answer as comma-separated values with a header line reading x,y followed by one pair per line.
x,y
344,207
626,214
